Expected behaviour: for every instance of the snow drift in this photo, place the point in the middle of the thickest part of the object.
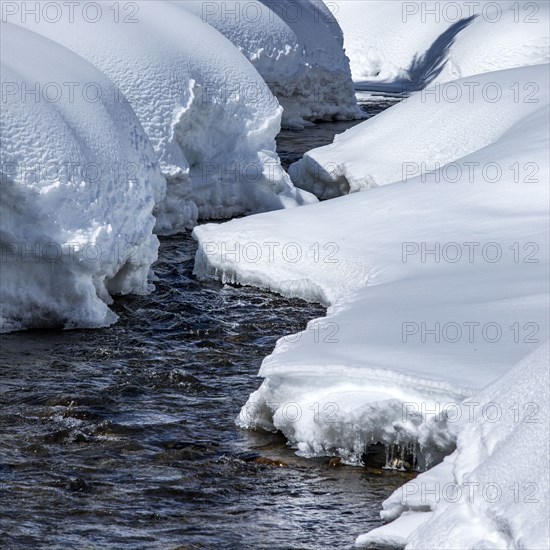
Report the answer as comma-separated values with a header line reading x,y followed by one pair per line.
x,y
402,46
209,115
410,138
297,47
78,182
497,481
436,288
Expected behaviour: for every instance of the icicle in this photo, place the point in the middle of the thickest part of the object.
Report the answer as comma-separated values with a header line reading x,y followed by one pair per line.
x,y
402,460
387,466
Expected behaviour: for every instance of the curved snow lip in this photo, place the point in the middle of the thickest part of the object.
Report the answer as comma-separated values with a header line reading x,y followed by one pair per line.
x,y
371,374
76,226
297,47
212,266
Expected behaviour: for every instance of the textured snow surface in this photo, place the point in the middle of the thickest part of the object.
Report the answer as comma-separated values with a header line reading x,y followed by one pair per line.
x,y
297,47
344,381
493,492
444,125
78,184
401,46
211,118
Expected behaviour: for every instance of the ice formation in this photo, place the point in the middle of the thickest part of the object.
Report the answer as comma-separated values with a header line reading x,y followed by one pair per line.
x,y
437,286
493,491
209,115
402,46
297,47
79,180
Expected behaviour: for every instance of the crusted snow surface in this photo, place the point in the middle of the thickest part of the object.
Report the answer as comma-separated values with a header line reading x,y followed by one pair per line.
x,y
78,182
297,47
436,288
211,118
497,481
401,46
434,129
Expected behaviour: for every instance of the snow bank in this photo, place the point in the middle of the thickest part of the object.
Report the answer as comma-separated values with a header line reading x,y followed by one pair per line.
x,y
434,128
78,182
436,289
210,117
497,481
297,47
401,46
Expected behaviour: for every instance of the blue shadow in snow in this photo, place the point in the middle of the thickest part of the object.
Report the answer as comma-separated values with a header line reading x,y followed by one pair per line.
x,y
424,69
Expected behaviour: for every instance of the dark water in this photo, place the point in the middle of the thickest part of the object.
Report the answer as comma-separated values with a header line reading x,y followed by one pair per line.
x,y
292,144
125,437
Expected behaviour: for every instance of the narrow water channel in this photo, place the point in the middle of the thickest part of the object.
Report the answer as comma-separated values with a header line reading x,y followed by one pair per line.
x,y
125,437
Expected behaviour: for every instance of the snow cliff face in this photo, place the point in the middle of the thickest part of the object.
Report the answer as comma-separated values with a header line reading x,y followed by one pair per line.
x,y
297,47
79,180
210,117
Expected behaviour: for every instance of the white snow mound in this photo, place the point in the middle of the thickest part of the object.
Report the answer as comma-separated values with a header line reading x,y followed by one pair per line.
x,y
297,47
433,130
211,118
78,185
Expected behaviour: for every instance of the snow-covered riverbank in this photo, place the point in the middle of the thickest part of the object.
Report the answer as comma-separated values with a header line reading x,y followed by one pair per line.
x,y
426,280
79,180
432,254
296,46
199,124
437,286
497,481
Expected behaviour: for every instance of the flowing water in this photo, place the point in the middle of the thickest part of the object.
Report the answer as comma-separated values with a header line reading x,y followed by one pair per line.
x,y
293,144
125,437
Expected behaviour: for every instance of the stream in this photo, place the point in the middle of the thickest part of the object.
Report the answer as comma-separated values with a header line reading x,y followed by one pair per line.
x,y
125,438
